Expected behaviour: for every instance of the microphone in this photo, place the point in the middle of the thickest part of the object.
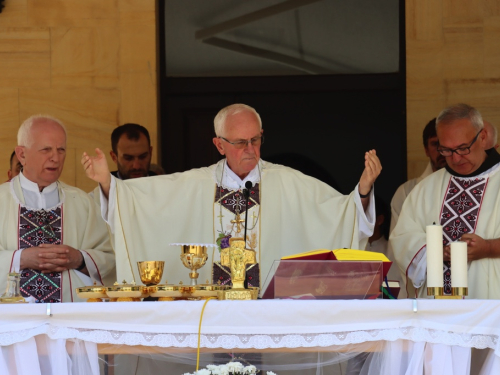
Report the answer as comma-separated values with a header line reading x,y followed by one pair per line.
x,y
246,194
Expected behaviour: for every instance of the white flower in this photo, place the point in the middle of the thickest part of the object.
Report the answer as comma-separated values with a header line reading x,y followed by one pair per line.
x,y
235,366
249,370
203,372
224,370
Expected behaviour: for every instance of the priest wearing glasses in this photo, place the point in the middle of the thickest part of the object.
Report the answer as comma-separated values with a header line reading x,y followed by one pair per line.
x,y
287,211
464,198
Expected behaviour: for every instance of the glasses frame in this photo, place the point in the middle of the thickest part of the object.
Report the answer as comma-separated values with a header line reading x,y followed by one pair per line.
x,y
455,150
245,142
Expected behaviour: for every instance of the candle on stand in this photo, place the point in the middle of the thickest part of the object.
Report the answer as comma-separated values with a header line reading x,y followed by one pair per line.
x,y
434,256
459,264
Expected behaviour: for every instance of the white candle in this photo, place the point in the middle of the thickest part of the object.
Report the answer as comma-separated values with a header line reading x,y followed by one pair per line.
x,y
434,256
459,264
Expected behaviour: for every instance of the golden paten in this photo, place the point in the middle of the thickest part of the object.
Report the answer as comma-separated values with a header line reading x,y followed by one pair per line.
x,y
93,293
127,292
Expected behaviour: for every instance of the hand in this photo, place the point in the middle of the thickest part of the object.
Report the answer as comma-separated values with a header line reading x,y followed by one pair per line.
x,y
370,173
51,258
477,247
96,167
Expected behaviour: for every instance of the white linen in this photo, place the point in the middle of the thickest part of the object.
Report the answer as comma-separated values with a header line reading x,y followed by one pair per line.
x,y
406,342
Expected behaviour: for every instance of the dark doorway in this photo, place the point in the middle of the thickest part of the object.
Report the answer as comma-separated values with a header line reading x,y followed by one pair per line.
x,y
325,121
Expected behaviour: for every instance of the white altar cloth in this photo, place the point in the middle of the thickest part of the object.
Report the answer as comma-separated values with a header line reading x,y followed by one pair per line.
x,y
262,325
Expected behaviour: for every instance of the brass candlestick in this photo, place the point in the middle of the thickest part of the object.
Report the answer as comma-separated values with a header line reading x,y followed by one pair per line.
x,y
456,293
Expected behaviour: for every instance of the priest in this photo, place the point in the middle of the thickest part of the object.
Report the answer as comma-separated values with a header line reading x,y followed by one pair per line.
x,y
52,233
463,198
286,211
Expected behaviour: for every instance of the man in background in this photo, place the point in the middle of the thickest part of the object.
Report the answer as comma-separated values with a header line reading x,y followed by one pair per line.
x,y
436,161
131,151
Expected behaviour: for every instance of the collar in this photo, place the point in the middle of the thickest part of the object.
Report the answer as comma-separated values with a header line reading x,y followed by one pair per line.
x,y
492,159
33,186
230,180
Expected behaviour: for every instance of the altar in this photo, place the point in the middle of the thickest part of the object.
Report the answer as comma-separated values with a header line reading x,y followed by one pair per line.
x,y
406,336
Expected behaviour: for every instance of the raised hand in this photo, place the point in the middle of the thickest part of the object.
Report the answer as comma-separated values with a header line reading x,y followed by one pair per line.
x,y
370,173
96,168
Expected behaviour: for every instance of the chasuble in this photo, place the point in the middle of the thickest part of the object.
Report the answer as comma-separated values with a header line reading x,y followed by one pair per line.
x,y
461,205
74,221
288,213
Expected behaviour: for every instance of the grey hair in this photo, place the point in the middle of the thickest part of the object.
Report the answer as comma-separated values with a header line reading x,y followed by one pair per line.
x,y
458,112
24,137
220,118
491,134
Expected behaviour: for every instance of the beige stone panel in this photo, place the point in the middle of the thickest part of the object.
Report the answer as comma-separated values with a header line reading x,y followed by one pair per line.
x,y
139,103
491,8
9,123
462,12
71,12
424,20
492,47
138,41
15,13
24,39
424,66
85,57
89,114
464,52
480,93
416,168
25,69
137,5
68,173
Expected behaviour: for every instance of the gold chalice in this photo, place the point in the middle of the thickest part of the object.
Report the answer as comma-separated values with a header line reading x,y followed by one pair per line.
x,y
151,271
194,257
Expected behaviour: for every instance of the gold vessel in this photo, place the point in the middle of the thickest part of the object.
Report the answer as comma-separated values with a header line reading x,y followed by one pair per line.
x,y
93,293
151,271
127,292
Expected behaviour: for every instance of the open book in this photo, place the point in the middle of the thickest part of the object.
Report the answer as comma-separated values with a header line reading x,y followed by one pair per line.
x,y
344,255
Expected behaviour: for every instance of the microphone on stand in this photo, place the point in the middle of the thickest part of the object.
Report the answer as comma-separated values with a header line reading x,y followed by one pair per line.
x,y
246,194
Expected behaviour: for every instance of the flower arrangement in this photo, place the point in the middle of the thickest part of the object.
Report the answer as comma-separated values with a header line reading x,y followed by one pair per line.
x,y
231,368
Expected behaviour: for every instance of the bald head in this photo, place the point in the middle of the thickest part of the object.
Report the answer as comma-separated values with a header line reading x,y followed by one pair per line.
x,y
491,135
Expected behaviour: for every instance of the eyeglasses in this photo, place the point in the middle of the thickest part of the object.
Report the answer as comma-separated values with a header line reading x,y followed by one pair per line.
x,y
460,150
257,141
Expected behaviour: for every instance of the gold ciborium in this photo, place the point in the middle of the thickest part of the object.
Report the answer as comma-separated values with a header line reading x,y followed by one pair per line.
x,y
151,271
194,257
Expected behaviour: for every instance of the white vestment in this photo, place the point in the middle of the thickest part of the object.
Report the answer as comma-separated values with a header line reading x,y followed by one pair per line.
x,y
423,207
82,229
297,213
400,195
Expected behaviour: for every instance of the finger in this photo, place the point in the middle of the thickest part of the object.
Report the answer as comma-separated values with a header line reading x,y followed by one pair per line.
x,y
99,152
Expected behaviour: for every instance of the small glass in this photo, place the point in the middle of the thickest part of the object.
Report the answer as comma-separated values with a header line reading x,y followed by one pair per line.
x,y
12,293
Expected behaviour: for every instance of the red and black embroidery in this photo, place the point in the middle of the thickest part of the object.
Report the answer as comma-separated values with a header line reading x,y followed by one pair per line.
x,y
459,214
38,227
234,201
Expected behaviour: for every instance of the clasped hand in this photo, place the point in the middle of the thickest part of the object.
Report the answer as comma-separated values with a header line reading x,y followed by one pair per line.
x,y
51,258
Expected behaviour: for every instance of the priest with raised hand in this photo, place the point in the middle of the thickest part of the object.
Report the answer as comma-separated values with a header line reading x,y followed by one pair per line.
x,y
52,233
463,198
287,211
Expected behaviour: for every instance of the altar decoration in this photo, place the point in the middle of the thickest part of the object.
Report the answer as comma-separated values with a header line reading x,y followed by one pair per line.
x,y
458,255
231,368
